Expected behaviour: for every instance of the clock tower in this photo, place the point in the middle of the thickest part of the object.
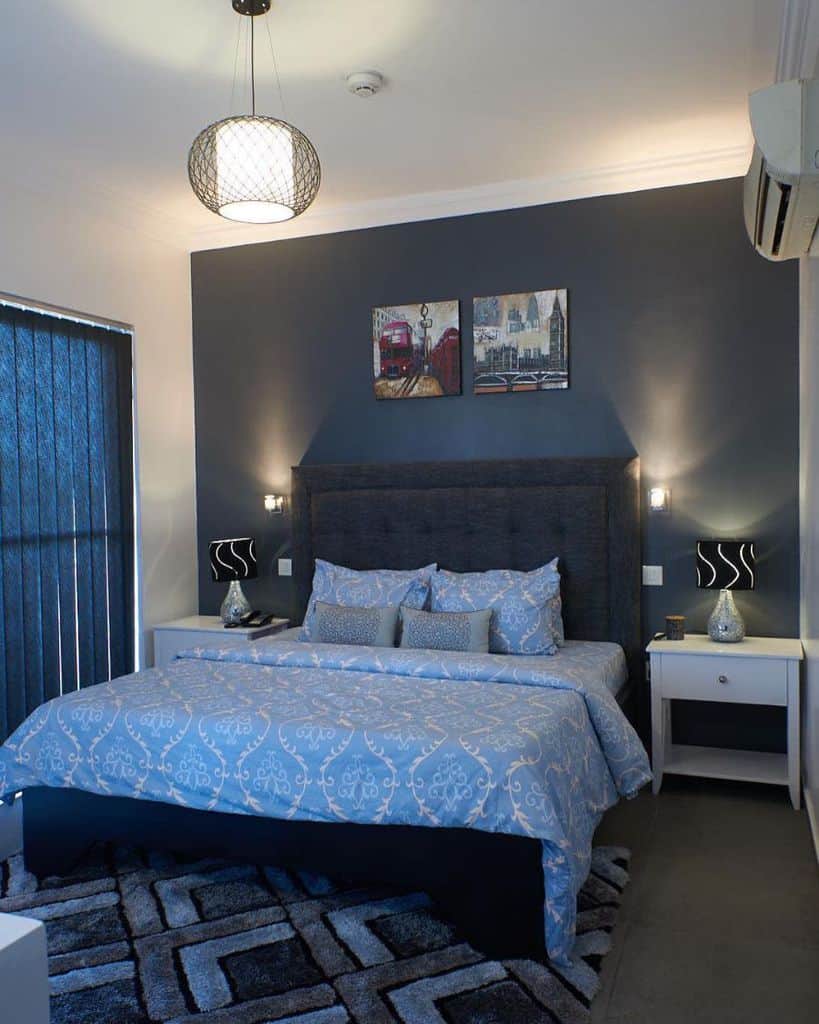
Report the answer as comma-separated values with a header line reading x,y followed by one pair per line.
x,y
557,337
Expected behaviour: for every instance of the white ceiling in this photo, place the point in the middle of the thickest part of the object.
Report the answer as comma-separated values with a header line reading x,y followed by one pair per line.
x,y
488,103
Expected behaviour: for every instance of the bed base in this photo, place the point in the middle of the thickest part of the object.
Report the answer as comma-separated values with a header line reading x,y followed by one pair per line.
x,y
489,885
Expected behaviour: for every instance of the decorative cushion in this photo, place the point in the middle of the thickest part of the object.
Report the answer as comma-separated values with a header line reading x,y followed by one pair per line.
x,y
526,613
370,627
377,588
446,631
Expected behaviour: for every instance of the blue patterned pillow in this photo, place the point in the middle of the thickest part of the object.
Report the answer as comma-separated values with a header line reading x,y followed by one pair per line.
x,y
446,631
554,608
354,588
526,614
370,627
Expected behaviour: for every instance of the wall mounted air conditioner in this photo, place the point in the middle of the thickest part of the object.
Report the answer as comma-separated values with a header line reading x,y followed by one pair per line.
x,y
782,184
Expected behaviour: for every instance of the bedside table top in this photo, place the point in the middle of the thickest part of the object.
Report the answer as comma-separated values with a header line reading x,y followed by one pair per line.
x,y
213,624
750,647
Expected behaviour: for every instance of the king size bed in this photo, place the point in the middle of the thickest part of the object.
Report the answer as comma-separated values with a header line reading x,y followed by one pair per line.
x,y
479,776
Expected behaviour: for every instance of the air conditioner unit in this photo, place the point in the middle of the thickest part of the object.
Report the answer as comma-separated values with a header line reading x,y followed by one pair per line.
x,y
782,184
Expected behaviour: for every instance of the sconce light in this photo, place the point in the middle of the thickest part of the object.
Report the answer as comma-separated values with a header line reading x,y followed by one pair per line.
x,y
274,504
659,499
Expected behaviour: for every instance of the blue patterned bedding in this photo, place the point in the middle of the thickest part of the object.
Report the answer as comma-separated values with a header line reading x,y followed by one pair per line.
x,y
324,732
592,661
587,661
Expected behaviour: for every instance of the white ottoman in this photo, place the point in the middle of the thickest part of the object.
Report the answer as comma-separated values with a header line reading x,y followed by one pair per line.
x,y
23,970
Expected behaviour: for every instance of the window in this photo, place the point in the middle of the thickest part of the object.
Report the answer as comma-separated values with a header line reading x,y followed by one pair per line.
x,y
66,508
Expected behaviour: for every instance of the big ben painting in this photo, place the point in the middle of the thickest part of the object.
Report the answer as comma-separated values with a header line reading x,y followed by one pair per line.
x,y
521,342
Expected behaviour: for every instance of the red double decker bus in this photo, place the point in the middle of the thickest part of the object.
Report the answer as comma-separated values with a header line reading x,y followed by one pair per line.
x,y
401,356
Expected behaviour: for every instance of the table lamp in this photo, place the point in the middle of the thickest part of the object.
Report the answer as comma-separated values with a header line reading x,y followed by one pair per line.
x,y
232,560
725,565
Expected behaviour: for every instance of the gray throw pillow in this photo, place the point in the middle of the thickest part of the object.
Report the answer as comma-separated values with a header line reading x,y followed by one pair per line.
x,y
369,627
446,631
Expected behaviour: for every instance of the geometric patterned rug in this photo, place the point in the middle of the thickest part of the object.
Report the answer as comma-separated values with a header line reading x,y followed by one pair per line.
x,y
137,937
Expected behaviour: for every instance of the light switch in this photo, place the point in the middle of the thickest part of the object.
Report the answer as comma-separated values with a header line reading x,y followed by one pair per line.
x,y
652,575
285,567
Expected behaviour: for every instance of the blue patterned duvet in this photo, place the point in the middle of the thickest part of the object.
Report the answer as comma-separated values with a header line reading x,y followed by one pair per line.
x,y
322,732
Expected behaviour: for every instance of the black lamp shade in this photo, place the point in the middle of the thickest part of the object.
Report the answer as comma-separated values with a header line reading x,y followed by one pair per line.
x,y
726,565
233,559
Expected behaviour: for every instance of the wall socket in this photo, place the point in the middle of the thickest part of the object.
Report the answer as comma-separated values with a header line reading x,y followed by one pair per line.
x,y
652,575
285,567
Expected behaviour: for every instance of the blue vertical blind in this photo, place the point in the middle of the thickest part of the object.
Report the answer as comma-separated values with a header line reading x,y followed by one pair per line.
x,y
66,509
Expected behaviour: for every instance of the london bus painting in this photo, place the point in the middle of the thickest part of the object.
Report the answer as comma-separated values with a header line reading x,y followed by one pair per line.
x,y
416,350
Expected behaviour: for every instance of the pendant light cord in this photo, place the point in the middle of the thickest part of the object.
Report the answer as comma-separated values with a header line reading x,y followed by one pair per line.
x,y
275,66
232,107
253,64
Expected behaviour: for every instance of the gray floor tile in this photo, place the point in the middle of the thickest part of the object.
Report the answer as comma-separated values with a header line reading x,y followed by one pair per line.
x,y
767,982
667,977
630,823
695,813
721,920
664,975
732,897
608,975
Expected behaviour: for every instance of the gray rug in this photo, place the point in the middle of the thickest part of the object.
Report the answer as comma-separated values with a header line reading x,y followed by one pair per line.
x,y
138,937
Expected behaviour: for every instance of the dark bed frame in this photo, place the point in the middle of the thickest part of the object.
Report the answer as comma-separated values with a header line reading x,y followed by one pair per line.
x,y
466,516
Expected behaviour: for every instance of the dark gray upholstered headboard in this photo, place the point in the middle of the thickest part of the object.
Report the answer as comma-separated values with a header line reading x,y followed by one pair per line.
x,y
470,516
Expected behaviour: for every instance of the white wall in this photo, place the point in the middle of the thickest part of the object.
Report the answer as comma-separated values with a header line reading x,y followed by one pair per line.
x,y
809,523
79,259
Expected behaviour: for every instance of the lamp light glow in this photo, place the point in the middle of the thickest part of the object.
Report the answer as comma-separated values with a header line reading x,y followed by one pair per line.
x,y
274,503
659,499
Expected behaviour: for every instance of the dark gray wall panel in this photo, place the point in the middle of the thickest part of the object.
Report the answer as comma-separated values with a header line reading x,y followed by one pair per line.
x,y
683,349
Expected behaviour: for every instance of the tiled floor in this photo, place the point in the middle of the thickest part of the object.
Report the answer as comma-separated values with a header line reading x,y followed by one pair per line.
x,y
720,924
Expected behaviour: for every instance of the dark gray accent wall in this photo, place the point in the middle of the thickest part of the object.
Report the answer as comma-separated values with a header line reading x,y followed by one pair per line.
x,y
683,349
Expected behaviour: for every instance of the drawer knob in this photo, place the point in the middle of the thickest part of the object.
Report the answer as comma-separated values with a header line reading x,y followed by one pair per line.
x,y
723,679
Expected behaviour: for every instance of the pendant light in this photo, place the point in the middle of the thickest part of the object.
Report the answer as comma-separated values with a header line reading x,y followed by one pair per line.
x,y
250,168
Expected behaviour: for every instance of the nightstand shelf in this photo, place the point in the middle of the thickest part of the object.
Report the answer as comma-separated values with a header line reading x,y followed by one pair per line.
x,y
721,763
758,671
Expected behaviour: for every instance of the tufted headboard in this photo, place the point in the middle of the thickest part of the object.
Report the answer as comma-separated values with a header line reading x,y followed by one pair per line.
x,y
472,516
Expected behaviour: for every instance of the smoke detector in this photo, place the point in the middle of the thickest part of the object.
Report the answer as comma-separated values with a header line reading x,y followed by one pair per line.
x,y
364,83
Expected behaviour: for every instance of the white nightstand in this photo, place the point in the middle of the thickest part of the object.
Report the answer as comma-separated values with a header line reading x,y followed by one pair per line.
x,y
200,630
23,970
758,670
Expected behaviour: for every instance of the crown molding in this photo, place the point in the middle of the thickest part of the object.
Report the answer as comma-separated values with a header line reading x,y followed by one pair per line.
x,y
131,214
684,169
798,40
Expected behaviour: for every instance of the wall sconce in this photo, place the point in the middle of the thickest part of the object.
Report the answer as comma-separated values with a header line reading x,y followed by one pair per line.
x,y
274,504
659,499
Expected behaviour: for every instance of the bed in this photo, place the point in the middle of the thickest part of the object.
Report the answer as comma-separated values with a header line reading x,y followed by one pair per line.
x,y
491,771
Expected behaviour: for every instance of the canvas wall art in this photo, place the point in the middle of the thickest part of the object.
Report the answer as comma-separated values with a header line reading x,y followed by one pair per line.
x,y
417,350
521,342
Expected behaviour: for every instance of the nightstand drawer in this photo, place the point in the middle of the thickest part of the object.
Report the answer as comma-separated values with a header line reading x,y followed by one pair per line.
x,y
207,638
732,678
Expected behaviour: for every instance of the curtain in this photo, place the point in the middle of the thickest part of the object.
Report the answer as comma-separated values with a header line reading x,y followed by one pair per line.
x,y
66,509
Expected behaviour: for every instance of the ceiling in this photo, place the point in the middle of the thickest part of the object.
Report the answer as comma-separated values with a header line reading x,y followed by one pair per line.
x,y
488,103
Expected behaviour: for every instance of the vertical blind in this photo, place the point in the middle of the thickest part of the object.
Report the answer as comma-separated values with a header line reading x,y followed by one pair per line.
x,y
66,509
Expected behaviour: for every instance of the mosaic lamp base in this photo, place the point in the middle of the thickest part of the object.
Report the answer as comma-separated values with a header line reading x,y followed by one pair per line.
x,y
235,605
726,625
